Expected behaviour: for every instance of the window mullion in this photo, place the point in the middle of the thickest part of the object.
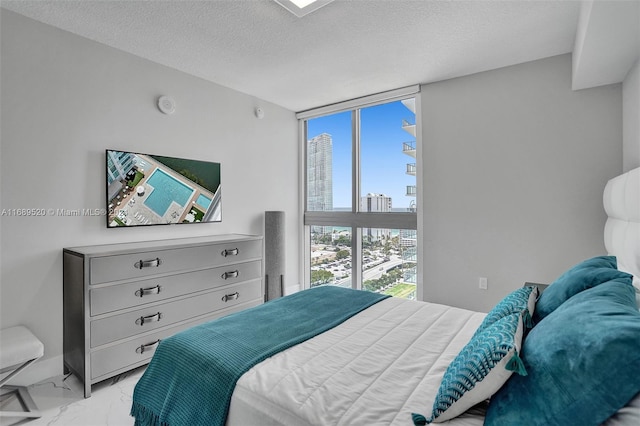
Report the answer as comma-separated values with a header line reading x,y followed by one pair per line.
x,y
356,258
356,232
355,169
305,234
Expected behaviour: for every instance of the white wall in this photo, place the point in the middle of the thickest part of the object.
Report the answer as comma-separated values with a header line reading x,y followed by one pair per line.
x,y
602,56
65,99
514,166
631,118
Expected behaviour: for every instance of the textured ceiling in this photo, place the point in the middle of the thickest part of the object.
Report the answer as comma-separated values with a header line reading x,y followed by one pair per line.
x,y
344,50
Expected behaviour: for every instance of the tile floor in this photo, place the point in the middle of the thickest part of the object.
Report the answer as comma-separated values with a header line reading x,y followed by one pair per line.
x,y
61,402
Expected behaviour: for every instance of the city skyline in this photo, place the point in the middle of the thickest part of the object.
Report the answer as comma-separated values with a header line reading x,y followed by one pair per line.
x,y
383,163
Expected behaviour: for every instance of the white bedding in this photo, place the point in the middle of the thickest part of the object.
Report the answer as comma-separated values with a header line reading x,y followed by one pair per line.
x,y
375,369
362,373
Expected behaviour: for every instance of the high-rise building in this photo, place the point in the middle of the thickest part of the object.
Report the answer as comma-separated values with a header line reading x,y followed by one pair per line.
x,y
408,237
375,203
320,177
118,165
378,203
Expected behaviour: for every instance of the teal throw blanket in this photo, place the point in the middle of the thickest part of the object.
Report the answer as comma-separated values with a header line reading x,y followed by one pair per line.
x,y
192,375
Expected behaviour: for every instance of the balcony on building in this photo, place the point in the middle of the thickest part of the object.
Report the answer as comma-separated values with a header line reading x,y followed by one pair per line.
x,y
411,169
410,104
409,251
411,191
408,238
409,276
409,256
409,148
409,126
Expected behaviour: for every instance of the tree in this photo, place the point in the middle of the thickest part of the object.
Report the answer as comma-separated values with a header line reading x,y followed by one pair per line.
x,y
342,254
191,176
342,240
386,279
321,238
321,276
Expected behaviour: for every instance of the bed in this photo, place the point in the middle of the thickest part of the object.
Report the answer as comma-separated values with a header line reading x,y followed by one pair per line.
x,y
570,355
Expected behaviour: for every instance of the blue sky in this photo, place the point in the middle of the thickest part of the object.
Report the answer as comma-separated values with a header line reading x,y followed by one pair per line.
x,y
383,165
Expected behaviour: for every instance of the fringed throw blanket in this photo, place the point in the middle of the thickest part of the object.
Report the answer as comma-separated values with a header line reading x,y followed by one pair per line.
x,y
192,375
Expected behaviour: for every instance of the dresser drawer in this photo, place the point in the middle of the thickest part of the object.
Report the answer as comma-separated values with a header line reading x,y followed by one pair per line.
x,y
137,293
140,350
117,327
105,269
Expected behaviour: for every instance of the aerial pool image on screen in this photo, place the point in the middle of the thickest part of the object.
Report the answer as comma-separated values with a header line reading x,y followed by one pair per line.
x,y
155,190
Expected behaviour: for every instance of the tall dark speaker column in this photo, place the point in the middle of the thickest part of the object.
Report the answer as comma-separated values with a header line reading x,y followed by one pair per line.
x,y
274,254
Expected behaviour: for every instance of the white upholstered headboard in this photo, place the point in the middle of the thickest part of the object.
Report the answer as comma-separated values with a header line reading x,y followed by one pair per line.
x,y
622,231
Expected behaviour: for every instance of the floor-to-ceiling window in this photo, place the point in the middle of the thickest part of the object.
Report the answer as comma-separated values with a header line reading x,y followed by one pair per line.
x,y
360,209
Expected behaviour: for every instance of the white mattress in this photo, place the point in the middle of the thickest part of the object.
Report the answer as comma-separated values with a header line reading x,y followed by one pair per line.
x,y
375,369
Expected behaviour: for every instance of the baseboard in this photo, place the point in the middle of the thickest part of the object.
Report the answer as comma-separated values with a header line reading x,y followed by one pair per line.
x,y
292,289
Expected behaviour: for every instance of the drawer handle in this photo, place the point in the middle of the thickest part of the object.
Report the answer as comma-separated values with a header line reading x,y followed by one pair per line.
x,y
148,347
232,274
148,263
228,297
232,252
150,290
149,318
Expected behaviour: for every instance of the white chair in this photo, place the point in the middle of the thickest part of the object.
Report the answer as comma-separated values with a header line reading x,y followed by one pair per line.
x,y
19,348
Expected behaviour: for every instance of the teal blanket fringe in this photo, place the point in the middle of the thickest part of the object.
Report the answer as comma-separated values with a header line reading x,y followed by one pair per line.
x,y
192,375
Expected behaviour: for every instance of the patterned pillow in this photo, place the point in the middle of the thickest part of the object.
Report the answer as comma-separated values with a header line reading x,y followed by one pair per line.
x,y
522,300
479,370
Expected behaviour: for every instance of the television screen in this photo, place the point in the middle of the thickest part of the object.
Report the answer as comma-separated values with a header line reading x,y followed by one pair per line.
x,y
145,189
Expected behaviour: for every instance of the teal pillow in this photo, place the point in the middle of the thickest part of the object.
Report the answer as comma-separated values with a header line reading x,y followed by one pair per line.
x,y
582,360
522,300
582,276
479,370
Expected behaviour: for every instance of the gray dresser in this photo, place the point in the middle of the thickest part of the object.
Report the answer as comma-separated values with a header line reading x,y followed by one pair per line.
x,y
120,300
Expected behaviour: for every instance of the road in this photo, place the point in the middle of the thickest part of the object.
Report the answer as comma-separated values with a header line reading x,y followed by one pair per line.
x,y
372,273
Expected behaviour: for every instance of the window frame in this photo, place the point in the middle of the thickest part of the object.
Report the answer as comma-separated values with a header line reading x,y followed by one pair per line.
x,y
355,219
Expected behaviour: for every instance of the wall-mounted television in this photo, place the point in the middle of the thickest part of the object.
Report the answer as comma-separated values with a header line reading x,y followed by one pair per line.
x,y
145,189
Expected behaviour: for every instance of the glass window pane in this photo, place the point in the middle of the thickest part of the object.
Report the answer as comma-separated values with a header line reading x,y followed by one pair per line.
x,y
386,143
389,261
388,157
331,257
329,158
